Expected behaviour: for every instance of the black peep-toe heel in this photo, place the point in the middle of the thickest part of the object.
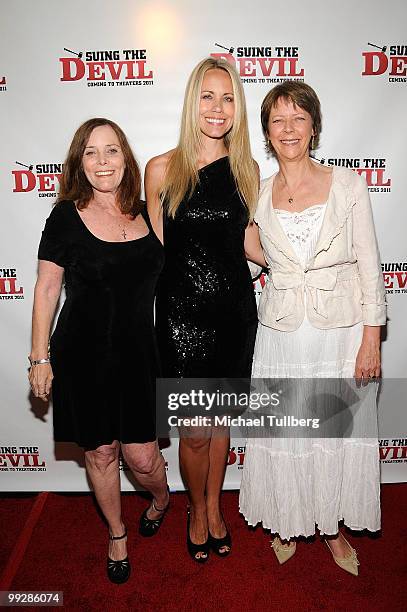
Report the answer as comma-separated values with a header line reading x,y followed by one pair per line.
x,y
195,549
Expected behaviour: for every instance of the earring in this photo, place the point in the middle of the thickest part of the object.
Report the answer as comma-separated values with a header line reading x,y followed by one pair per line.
x,y
312,142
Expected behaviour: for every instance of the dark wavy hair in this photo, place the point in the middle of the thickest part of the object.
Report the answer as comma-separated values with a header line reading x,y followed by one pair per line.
x,y
300,94
75,186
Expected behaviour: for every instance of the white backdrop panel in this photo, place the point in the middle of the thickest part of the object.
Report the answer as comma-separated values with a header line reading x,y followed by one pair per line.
x,y
364,127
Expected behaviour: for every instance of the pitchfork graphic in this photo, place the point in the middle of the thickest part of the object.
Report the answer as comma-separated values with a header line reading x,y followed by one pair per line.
x,y
74,52
377,47
321,161
230,49
30,167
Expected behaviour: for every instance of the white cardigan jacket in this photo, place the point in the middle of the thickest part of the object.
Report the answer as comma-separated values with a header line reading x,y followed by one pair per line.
x,y
343,280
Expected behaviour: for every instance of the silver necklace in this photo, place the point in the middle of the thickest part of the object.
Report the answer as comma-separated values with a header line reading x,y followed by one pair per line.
x,y
121,226
123,229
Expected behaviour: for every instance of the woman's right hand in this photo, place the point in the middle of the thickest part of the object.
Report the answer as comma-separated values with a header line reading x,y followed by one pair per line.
x,y
40,377
46,295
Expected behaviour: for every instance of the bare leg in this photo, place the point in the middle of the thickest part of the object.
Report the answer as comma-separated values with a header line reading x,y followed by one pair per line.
x,y
194,463
338,545
218,453
102,466
148,466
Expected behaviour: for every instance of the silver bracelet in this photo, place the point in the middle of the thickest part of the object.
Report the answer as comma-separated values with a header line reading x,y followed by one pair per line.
x,y
34,362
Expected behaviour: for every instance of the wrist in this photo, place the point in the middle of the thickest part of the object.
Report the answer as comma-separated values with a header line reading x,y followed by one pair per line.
x,y
371,334
41,352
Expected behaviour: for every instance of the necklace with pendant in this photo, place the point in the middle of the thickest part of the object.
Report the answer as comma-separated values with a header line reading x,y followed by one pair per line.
x,y
121,226
123,230
291,195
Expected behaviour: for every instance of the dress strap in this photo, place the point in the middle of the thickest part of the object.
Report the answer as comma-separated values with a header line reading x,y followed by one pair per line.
x,y
146,218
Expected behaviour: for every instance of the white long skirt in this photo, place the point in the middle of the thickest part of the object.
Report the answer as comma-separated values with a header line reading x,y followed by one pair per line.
x,y
292,485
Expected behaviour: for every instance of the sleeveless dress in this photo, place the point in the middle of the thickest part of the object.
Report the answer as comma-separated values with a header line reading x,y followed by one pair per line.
x,y
206,315
291,484
103,350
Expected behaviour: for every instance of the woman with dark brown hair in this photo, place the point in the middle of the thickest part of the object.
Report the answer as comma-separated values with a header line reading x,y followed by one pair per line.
x,y
320,316
103,360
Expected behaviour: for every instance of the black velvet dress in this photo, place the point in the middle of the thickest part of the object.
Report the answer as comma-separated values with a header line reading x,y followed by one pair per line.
x,y
103,350
206,316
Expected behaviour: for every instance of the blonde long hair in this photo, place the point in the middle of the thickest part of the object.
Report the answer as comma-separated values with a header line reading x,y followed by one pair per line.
x,y
181,175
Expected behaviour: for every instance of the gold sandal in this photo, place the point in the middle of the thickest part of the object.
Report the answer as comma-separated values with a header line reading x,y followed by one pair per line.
x,y
283,553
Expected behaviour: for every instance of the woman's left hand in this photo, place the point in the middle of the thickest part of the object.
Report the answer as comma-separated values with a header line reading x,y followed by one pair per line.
x,y
368,362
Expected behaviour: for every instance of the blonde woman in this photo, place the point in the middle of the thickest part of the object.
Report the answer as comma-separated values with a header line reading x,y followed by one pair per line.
x,y
200,198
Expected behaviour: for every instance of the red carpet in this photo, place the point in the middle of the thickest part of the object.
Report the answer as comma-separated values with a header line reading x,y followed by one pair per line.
x,y
20,547
14,510
63,545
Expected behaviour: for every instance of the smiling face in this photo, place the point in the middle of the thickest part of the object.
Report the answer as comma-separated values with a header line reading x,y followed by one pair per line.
x,y
289,130
103,160
216,105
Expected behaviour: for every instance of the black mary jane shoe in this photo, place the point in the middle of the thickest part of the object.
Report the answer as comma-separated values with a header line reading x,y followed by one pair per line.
x,y
194,549
149,527
118,571
217,543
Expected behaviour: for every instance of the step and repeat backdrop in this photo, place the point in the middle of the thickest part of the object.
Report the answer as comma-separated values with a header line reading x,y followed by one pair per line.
x,y
64,62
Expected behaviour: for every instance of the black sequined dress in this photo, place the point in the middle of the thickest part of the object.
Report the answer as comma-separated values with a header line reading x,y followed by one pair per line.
x,y
206,314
